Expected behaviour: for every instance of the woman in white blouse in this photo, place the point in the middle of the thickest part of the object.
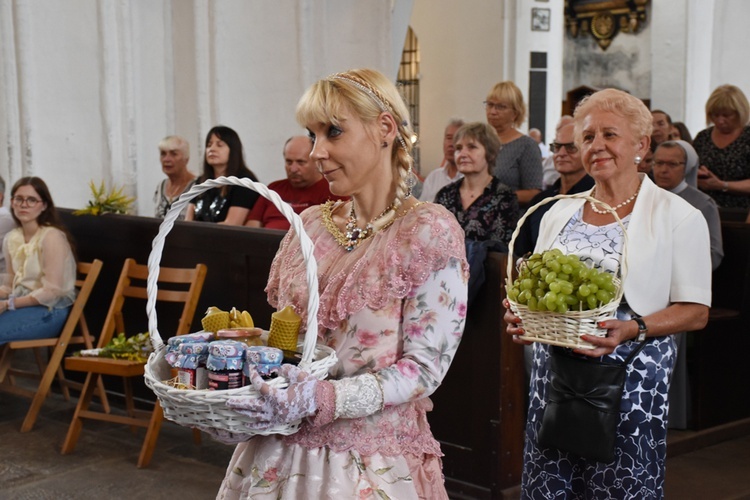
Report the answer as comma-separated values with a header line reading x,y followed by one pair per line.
x,y
39,287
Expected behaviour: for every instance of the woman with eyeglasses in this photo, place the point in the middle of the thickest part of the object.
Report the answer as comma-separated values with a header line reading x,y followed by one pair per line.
x,y
39,287
519,163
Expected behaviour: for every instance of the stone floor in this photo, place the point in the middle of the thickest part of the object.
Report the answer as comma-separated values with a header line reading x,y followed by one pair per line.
x,y
711,465
103,464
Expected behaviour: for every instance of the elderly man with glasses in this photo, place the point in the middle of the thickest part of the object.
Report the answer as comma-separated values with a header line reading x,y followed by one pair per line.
x,y
675,168
573,179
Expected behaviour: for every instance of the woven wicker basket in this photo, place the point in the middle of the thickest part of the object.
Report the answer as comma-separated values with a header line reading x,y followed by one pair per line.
x,y
566,329
204,408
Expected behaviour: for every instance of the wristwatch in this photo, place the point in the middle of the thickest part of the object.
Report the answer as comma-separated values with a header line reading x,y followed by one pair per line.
x,y
642,329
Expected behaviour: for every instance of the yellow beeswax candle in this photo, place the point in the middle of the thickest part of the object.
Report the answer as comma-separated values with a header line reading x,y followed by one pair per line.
x,y
284,329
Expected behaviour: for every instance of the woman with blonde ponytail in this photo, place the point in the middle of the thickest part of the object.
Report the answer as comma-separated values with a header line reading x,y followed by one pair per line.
x,y
393,283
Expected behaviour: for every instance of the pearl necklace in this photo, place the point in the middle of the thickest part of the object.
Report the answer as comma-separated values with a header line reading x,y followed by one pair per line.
x,y
617,207
356,235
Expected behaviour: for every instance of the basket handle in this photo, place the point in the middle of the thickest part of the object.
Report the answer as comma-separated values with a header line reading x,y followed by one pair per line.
x,y
583,196
306,246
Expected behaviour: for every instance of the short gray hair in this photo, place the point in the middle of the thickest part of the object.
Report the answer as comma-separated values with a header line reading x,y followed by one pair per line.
x,y
175,142
455,122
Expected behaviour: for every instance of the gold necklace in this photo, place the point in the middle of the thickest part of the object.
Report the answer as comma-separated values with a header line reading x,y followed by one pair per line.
x,y
617,207
348,239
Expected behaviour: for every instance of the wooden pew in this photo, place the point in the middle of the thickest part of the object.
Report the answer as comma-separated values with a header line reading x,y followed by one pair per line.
x,y
716,355
238,261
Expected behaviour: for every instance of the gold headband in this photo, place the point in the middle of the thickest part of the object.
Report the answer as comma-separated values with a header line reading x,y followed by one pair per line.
x,y
365,87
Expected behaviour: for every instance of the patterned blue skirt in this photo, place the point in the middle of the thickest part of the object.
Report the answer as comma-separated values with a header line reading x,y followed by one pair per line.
x,y
641,445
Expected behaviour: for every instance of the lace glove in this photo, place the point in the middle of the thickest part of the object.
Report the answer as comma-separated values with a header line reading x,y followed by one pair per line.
x,y
352,397
278,406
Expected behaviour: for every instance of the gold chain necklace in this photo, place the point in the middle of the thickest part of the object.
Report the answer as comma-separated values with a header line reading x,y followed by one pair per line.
x,y
617,207
350,240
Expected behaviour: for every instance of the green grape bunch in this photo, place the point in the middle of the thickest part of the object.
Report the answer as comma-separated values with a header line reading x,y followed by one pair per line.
x,y
555,282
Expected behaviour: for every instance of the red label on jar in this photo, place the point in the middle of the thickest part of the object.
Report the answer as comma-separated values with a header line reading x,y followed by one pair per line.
x,y
225,379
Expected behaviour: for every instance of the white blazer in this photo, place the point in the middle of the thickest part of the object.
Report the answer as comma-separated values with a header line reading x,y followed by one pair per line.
x,y
668,254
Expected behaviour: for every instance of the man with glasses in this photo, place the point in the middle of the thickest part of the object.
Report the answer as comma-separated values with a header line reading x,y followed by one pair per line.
x,y
6,223
573,179
675,168
549,174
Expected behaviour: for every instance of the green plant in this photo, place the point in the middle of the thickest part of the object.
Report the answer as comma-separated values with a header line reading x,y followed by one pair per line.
x,y
135,348
104,202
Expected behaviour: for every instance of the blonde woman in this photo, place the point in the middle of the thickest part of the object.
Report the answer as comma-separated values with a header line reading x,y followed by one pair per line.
x,y
393,288
667,290
724,148
519,162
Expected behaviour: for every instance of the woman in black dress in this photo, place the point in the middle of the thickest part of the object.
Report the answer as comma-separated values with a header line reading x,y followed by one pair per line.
x,y
228,204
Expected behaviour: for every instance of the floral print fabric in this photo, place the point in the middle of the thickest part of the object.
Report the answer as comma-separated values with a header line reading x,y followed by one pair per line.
x,y
492,216
395,306
731,163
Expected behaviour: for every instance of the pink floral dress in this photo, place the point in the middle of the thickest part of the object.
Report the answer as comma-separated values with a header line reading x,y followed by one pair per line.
x,y
394,306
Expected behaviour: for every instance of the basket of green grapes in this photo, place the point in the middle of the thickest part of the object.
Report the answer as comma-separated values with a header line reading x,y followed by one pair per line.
x,y
559,297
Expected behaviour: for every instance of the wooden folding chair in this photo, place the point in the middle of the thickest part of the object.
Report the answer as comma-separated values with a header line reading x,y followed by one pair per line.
x,y
88,274
169,278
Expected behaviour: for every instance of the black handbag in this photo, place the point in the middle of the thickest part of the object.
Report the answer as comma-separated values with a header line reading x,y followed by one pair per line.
x,y
583,404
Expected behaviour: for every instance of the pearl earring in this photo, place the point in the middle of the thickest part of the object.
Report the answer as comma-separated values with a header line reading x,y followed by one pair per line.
x,y
638,160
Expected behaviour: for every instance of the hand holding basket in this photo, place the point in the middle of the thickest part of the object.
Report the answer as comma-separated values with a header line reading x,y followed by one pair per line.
x,y
566,328
208,409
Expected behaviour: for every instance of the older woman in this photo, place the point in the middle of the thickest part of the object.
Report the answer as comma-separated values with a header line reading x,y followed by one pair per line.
x,y
519,162
486,208
667,289
229,204
174,154
392,279
39,288
724,148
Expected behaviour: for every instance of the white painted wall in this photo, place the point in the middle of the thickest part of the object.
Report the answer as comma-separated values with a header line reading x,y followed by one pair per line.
x,y
528,41
89,87
466,47
461,58
700,45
